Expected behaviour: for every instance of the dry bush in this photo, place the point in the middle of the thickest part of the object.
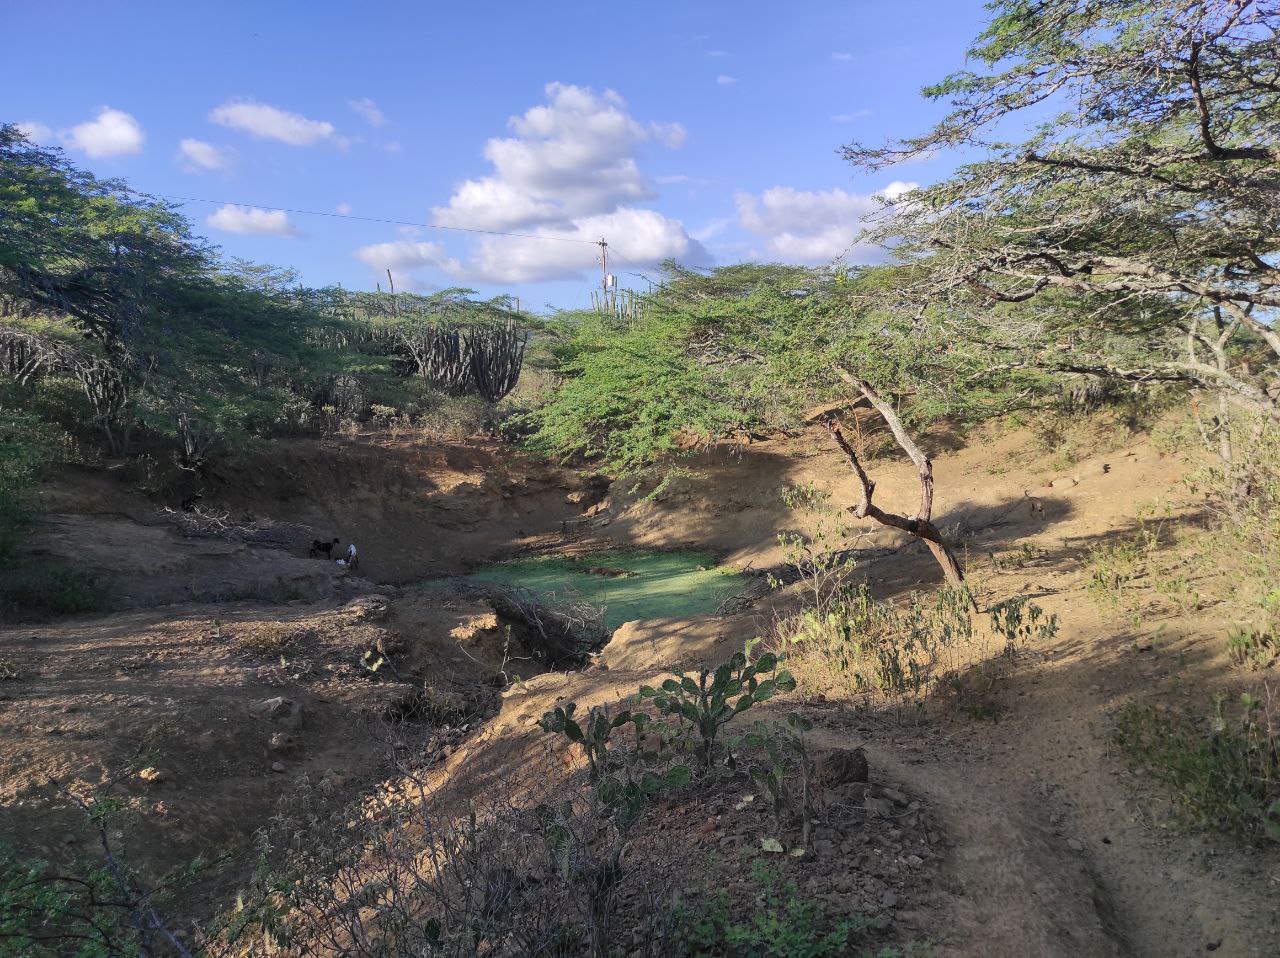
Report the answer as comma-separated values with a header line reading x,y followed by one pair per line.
x,y
271,639
513,872
865,648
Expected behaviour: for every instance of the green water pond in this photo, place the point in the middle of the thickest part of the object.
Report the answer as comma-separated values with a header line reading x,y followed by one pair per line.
x,y
656,584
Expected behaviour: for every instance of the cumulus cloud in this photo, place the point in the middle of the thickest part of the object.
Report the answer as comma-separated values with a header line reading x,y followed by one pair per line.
x,y
644,237
573,156
565,176
266,122
197,156
369,110
405,256
35,131
111,133
250,220
726,80
813,227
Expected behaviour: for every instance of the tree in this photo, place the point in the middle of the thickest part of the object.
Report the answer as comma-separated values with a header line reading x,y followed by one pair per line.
x,y
1133,234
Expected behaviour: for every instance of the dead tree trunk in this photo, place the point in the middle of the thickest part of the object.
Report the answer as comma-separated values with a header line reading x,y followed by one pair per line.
x,y
919,525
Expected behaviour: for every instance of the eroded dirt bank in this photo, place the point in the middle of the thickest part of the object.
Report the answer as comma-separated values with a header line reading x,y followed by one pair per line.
x,y
1032,838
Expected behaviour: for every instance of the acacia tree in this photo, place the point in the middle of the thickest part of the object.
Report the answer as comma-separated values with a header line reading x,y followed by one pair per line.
x,y
1133,234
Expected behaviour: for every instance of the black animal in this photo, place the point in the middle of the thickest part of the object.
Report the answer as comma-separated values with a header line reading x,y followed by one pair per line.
x,y
322,548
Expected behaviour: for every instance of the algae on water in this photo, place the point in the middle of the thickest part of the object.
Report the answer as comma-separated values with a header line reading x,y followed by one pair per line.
x,y
628,585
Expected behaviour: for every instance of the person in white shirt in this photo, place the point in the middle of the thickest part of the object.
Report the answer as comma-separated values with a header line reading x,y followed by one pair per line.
x,y
351,556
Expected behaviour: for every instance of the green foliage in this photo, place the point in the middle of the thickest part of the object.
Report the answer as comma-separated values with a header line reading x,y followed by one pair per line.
x,y
49,590
1228,779
1021,622
594,739
780,924
705,701
1252,649
781,749
741,350
28,446
45,912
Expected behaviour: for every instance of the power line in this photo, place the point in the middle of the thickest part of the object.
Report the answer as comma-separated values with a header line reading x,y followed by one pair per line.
x,y
374,219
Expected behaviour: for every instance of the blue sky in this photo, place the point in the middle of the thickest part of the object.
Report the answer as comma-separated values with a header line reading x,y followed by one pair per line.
x,y
707,131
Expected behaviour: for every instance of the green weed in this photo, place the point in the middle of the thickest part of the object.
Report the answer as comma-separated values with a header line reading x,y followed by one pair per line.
x,y
780,925
1228,779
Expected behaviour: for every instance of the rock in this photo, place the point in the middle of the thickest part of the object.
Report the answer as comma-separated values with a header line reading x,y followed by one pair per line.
x,y
1075,844
895,796
475,627
369,608
1064,482
277,766
882,807
915,861
388,700
826,849
278,710
152,776
282,742
577,497
889,900
390,643
838,766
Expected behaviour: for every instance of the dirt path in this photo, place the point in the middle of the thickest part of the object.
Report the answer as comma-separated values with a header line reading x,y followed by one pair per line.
x,y
1057,848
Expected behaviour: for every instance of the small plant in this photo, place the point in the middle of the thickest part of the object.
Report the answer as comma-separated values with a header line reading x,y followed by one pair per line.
x,y
594,738
782,749
1228,779
781,925
705,703
1021,621
1252,649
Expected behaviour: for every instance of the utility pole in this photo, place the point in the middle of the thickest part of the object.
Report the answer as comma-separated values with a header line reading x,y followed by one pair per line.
x,y
604,264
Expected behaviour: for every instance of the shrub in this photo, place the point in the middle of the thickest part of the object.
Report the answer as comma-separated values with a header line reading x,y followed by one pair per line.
x,y
58,590
28,446
1228,779
780,924
864,646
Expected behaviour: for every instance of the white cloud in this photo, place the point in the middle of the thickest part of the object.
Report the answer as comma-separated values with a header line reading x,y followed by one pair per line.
x,y
111,133
842,57
567,171
644,237
849,117
252,221
369,110
271,123
392,146
35,131
672,178
343,209
813,227
717,53
571,157
403,257
197,156
725,80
